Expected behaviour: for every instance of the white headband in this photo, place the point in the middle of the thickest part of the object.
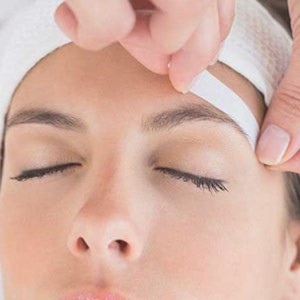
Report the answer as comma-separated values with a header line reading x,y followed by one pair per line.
x,y
257,47
219,95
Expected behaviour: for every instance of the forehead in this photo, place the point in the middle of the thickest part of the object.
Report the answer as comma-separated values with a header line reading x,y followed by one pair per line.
x,y
113,83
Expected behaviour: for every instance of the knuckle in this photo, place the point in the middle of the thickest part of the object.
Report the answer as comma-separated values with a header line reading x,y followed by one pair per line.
x,y
107,30
288,99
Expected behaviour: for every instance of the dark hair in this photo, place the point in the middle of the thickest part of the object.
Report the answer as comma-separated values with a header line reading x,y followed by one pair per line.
x,y
2,148
293,193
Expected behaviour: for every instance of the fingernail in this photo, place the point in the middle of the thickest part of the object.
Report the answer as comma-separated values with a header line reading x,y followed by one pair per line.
x,y
272,145
185,90
214,61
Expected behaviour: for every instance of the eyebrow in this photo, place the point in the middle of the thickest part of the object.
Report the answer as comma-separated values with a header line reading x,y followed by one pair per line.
x,y
48,117
165,120
188,113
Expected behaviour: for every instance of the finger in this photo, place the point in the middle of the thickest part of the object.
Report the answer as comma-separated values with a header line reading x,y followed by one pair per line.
x,y
198,52
291,165
95,24
227,12
279,142
66,20
175,21
294,10
140,45
280,138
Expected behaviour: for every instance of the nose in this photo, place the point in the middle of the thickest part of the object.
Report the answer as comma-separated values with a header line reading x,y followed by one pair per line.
x,y
109,227
105,237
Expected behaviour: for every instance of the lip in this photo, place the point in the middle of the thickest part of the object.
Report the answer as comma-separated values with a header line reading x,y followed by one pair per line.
x,y
89,295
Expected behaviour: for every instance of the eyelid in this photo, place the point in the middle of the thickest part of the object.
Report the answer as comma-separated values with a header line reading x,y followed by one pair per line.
x,y
46,171
200,181
211,184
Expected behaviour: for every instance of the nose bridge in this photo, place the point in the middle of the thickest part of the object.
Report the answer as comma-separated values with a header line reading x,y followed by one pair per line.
x,y
115,210
112,184
117,180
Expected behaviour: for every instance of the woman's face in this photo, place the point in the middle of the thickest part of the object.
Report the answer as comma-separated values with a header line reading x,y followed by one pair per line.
x,y
118,217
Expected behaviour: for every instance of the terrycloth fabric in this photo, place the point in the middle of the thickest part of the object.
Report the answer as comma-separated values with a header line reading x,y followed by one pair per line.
x,y
209,88
257,47
8,8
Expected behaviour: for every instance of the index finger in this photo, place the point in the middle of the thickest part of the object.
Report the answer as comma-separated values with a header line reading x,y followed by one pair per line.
x,y
94,24
175,21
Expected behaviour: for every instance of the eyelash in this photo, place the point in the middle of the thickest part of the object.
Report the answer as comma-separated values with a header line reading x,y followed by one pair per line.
x,y
39,173
213,185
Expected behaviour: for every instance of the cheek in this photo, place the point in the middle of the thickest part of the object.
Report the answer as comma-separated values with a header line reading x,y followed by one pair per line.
x,y
31,225
222,246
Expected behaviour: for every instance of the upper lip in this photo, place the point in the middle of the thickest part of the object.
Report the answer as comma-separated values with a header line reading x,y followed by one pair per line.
x,y
93,295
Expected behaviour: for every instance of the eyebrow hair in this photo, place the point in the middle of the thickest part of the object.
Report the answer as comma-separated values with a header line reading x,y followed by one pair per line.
x,y
47,117
165,120
188,113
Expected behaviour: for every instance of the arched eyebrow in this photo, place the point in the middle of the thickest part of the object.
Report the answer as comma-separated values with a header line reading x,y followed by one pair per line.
x,y
165,120
53,118
186,113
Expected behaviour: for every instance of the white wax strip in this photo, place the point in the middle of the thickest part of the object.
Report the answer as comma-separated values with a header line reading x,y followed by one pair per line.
x,y
214,91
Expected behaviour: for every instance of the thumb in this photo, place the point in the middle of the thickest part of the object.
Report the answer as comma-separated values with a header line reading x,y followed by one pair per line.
x,y
280,135
279,142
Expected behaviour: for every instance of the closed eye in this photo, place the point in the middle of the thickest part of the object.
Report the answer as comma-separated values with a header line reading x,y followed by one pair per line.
x,y
211,184
38,173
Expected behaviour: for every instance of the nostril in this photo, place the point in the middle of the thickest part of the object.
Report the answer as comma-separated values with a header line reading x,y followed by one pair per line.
x,y
82,245
119,245
123,245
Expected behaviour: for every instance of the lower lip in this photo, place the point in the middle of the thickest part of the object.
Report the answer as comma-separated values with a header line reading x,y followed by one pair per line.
x,y
93,296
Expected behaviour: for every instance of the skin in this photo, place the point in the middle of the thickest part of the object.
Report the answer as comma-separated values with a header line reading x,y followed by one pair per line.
x,y
284,110
151,40
171,33
58,233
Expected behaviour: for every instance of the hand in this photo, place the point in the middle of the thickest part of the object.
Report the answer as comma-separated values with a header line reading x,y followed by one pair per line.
x,y
279,143
187,34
